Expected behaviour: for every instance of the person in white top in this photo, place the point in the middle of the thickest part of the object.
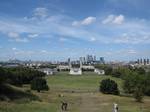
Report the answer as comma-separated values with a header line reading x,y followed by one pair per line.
x,y
115,107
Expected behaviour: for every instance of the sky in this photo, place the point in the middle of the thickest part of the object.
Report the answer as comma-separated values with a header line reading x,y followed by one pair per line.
x,y
51,30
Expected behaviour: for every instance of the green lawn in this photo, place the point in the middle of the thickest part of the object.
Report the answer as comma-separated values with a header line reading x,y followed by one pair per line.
x,y
87,82
81,92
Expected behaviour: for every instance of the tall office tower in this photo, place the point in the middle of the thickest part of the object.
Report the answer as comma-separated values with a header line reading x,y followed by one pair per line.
x,y
89,58
138,61
148,61
94,58
102,61
81,59
69,62
141,61
84,60
144,61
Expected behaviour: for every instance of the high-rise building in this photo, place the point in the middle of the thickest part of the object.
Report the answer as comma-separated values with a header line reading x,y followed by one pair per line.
x,y
102,61
141,61
144,61
138,61
148,61
94,58
89,58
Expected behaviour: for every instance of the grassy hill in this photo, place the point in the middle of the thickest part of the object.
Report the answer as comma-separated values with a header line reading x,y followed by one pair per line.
x,y
81,92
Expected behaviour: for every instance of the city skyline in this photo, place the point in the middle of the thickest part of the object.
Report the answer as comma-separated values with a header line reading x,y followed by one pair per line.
x,y
59,29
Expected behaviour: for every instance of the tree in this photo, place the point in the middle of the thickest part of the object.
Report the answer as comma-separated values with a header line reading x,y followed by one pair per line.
x,y
109,86
108,70
147,88
39,84
116,73
135,84
138,94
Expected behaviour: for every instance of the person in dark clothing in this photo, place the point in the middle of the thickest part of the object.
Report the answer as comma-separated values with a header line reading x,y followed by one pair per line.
x,y
64,106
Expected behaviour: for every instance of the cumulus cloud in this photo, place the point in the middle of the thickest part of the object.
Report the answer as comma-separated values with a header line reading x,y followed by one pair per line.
x,y
41,12
86,21
16,37
118,19
133,38
92,39
14,48
113,19
20,30
33,35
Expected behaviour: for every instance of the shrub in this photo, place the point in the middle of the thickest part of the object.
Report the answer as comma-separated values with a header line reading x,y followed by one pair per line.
x,y
109,86
39,84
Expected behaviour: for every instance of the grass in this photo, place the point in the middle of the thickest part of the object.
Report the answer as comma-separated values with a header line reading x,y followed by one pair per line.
x,y
85,82
81,92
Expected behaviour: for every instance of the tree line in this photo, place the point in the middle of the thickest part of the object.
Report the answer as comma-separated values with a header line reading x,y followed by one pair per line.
x,y
136,81
20,75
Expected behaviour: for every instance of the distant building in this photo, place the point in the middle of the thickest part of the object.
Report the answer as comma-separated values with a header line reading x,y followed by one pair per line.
x,y
11,65
89,58
48,71
148,61
100,72
88,67
102,61
75,71
63,67
143,61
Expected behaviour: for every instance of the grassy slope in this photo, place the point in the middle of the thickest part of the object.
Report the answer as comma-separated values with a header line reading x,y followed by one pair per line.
x,y
84,99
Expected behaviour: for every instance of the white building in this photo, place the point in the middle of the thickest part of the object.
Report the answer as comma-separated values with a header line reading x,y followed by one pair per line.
x,y
89,67
48,71
75,71
63,67
98,71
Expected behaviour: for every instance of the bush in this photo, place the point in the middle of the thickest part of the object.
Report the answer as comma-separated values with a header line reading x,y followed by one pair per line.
x,y
39,84
117,74
108,70
138,94
109,86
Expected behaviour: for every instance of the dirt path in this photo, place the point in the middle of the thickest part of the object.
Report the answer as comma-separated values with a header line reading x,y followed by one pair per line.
x,y
91,103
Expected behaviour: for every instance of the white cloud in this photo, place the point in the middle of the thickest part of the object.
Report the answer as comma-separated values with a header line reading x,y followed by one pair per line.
x,y
13,34
44,51
23,40
133,38
93,39
118,19
16,37
59,25
109,19
33,35
112,19
41,12
86,21
14,48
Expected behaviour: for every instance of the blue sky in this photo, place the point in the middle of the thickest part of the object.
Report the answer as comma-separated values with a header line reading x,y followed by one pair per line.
x,y
58,29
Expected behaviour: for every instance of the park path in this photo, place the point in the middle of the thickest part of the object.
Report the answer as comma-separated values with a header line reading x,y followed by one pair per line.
x,y
91,103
